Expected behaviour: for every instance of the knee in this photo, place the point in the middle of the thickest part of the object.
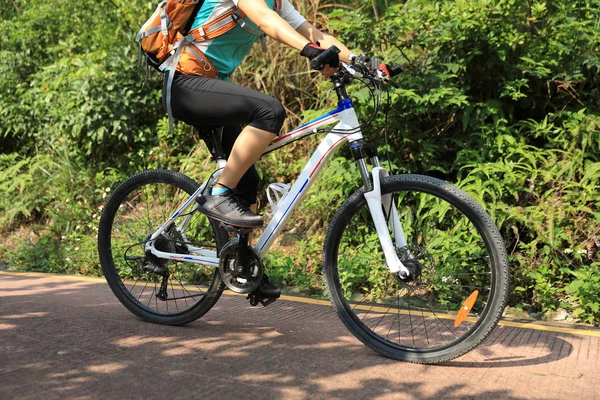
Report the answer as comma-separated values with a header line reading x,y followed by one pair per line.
x,y
269,116
279,115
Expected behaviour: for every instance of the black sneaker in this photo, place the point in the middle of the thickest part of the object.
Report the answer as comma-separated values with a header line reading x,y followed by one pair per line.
x,y
229,208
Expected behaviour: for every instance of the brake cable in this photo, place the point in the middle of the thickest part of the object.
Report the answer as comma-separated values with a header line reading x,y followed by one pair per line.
x,y
364,125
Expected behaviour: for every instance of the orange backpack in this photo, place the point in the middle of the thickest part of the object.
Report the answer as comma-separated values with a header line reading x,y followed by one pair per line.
x,y
168,43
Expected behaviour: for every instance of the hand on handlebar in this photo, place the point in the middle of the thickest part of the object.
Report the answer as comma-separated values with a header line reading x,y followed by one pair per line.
x,y
328,71
328,62
329,67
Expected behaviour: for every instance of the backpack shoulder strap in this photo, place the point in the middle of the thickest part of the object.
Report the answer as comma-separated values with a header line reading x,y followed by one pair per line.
x,y
228,20
190,22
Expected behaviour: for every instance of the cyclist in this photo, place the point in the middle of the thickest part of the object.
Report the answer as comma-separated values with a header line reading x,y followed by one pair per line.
x,y
251,119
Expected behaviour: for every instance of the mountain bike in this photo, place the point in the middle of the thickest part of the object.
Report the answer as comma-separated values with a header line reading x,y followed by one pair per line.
x,y
415,268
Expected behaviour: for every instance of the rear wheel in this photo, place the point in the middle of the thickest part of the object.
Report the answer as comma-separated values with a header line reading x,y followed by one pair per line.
x,y
457,261
158,290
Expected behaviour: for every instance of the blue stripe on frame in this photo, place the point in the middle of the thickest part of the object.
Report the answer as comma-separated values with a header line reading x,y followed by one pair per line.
x,y
342,105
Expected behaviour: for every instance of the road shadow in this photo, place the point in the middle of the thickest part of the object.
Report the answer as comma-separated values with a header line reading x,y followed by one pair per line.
x,y
516,347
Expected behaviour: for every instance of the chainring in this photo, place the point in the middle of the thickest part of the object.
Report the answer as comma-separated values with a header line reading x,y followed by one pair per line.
x,y
240,267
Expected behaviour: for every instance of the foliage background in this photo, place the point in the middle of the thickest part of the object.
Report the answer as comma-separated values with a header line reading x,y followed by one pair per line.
x,y
501,97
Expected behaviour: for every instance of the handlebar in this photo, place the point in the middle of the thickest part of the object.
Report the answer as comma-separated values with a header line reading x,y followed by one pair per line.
x,y
319,61
371,70
360,66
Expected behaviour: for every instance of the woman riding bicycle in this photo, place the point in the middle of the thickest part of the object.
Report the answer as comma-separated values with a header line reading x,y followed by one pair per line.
x,y
251,119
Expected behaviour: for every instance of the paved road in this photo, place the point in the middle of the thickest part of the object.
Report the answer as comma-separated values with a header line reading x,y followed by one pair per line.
x,y
67,337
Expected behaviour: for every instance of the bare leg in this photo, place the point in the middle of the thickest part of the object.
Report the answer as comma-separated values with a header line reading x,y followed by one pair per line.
x,y
248,147
227,206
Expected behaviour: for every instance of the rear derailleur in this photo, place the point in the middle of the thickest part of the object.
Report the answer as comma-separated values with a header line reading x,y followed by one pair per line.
x,y
169,242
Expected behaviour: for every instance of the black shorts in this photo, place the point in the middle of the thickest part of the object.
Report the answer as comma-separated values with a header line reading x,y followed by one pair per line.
x,y
200,101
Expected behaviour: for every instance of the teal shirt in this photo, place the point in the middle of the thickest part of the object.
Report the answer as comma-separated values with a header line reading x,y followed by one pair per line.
x,y
227,51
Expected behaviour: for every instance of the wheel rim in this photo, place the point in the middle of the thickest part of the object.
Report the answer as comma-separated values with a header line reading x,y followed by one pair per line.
x,y
178,287
419,316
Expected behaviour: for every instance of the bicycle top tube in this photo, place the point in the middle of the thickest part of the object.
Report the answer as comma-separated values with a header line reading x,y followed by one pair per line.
x,y
310,127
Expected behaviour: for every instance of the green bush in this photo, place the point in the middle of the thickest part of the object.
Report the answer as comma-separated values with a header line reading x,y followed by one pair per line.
x,y
66,85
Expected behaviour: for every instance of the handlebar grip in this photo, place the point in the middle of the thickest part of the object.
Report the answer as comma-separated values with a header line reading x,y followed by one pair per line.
x,y
319,61
396,70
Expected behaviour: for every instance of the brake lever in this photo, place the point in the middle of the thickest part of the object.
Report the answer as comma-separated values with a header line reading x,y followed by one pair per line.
x,y
363,66
352,71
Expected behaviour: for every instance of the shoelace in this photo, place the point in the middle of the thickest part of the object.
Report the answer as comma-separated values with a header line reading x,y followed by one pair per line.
x,y
235,198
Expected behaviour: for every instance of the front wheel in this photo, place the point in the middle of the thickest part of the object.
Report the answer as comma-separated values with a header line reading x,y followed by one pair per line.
x,y
459,279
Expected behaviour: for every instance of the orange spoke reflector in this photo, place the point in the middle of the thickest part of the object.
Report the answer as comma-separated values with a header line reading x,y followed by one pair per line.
x,y
465,308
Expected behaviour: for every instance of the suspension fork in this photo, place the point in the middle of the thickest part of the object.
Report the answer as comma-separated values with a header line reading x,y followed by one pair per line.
x,y
377,204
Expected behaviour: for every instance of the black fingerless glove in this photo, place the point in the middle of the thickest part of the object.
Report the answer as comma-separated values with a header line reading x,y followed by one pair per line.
x,y
311,50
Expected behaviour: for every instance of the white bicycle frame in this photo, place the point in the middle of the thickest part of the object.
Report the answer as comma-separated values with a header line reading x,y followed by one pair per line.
x,y
346,119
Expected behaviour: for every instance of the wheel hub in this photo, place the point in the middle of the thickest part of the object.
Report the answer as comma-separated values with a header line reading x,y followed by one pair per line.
x,y
410,258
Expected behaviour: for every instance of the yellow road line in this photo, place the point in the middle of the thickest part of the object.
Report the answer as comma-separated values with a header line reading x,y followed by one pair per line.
x,y
550,328
306,300
503,322
55,276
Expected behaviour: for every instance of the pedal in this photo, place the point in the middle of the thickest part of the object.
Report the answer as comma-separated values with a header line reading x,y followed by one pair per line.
x,y
266,302
256,298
